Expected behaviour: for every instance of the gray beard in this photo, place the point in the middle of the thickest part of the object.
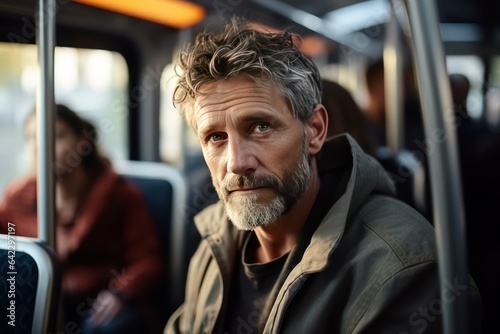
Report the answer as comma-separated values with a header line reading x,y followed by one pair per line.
x,y
247,212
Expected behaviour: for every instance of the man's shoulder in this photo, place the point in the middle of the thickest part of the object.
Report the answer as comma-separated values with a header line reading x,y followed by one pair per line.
x,y
399,229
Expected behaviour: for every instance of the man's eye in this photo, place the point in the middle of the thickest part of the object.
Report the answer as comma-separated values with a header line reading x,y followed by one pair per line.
x,y
262,128
216,137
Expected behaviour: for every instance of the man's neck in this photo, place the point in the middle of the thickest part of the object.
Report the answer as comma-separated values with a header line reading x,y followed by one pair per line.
x,y
279,238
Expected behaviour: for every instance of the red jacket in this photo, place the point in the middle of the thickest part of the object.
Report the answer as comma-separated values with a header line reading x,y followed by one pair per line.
x,y
111,243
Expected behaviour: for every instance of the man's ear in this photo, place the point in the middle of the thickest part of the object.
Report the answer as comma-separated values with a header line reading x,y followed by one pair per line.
x,y
317,127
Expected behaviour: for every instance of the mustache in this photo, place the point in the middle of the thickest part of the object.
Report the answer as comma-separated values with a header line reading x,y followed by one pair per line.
x,y
248,181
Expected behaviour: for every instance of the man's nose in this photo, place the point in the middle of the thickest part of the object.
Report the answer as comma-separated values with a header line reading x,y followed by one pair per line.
x,y
241,156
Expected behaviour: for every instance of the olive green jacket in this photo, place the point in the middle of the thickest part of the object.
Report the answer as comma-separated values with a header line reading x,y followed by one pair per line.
x,y
370,266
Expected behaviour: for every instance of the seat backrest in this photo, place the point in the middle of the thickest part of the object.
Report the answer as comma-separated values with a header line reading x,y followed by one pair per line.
x,y
30,285
165,191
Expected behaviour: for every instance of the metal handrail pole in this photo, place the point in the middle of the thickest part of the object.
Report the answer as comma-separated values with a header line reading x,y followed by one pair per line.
x,y
45,122
438,114
393,81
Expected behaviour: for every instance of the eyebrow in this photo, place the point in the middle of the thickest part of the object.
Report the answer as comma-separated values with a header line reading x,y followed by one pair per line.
x,y
254,117
258,116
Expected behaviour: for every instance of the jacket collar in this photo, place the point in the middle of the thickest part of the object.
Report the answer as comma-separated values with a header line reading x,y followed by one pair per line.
x,y
360,175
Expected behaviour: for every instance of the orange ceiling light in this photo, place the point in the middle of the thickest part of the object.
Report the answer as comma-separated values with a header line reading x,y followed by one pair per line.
x,y
173,13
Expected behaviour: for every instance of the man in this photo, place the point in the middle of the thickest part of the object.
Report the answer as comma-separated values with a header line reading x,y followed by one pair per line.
x,y
306,237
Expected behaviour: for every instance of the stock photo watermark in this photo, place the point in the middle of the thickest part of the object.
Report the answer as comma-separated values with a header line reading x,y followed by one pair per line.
x,y
427,146
223,7
28,30
432,311
11,274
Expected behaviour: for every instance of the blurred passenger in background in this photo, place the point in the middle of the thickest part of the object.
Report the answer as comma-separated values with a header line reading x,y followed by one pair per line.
x,y
376,109
479,150
344,115
105,238
374,78
407,167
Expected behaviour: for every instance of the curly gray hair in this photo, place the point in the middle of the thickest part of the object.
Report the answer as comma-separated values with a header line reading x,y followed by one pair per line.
x,y
240,50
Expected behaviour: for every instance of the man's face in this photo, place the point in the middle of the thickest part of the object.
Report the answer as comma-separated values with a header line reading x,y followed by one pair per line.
x,y
255,149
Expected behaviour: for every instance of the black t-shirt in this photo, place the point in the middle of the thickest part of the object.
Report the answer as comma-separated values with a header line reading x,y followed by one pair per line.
x,y
253,283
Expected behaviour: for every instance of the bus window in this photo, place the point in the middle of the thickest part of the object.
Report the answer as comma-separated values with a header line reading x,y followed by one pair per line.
x,y
170,120
92,82
179,145
473,68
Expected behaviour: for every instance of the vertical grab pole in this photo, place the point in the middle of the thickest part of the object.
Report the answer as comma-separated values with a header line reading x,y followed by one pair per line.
x,y
45,122
435,94
393,81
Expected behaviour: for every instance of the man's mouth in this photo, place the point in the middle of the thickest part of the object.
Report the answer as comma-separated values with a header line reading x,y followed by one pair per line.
x,y
244,189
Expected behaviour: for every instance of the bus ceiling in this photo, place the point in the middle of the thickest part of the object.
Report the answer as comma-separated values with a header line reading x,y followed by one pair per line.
x,y
462,21
176,14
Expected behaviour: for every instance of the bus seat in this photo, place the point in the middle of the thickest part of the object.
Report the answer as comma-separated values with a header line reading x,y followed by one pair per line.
x,y
165,191
35,284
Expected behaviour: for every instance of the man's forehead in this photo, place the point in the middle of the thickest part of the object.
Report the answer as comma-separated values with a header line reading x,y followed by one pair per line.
x,y
232,84
223,94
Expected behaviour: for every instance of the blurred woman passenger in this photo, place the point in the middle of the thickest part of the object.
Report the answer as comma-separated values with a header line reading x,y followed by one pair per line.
x,y
344,115
105,238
